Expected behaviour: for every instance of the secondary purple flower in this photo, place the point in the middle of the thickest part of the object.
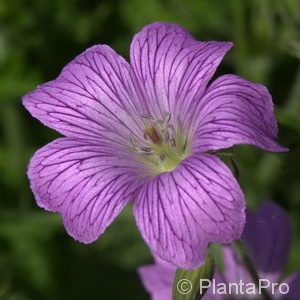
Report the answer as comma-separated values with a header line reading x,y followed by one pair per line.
x,y
267,237
158,280
141,132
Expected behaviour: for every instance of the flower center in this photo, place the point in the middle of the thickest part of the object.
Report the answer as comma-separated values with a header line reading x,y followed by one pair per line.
x,y
163,146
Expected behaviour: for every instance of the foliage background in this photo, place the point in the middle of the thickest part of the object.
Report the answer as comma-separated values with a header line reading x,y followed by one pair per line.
x,y
37,38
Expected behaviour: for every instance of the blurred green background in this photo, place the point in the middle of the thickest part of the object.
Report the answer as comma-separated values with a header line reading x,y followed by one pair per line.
x,y
37,38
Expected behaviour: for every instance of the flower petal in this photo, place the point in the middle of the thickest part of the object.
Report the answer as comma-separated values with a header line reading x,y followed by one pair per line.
x,y
158,279
172,67
267,237
91,98
211,293
236,111
294,287
85,183
179,213
234,269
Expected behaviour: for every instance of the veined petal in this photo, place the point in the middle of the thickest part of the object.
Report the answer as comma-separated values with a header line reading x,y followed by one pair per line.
x,y
236,111
172,67
91,98
85,183
180,212
267,237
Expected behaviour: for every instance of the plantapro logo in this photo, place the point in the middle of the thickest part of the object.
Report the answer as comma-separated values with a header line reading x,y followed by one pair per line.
x,y
242,288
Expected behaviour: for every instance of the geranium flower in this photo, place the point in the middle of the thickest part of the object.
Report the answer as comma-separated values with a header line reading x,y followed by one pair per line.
x,y
267,238
142,132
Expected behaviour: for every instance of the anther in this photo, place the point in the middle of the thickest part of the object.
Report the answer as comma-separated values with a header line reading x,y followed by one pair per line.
x,y
162,156
166,119
151,132
148,118
133,141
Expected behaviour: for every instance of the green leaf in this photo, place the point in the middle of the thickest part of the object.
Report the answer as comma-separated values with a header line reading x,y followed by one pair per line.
x,y
186,285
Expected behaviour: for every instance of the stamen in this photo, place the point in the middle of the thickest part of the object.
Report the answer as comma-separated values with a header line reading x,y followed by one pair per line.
x,y
167,135
132,141
162,156
146,149
173,142
166,120
148,118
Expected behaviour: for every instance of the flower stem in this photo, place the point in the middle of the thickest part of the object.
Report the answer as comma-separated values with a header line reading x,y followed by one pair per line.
x,y
250,267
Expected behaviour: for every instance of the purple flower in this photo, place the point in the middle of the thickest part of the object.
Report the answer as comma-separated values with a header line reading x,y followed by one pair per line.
x,y
158,280
267,237
142,132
